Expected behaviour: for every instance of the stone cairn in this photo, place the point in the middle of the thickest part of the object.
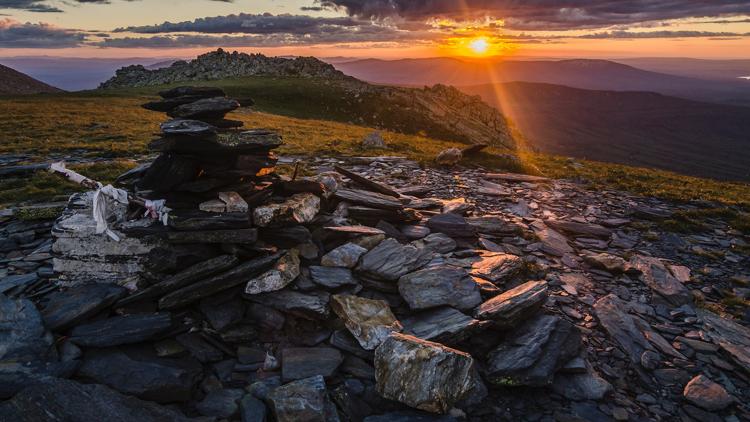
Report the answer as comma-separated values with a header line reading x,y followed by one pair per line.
x,y
294,299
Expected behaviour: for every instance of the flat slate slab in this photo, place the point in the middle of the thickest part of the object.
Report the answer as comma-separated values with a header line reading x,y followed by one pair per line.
x,y
305,362
369,321
438,286
390,260
515,305
68,307
443,325
66,400
125,329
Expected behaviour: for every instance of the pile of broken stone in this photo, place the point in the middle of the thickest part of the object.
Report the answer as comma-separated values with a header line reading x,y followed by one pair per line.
x,y
334,297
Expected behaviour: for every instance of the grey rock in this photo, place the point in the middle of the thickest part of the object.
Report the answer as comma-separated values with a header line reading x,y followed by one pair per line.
x,y
497,268
206,108
369,321
252,409
452,225
221,403
581,229
303,400
298,209
346,256
153,379
236,236
422,374
305,362
373,141
390,260
514,305
369,199
120,330
69,307
659,279
553,242
284,271
311,305
438,243
585,386
731,337
624,328
438,286
415,232
443,325
332,277
532,353
13,281
218,283
62,400
409,417
707,394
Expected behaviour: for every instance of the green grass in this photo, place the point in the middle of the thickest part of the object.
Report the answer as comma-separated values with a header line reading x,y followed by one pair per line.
x,y
315,118
46,187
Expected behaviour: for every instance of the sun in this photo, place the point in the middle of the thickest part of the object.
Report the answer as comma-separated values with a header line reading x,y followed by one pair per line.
x,y
479,45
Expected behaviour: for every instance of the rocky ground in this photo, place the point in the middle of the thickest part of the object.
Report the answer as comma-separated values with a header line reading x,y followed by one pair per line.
x,y
517,298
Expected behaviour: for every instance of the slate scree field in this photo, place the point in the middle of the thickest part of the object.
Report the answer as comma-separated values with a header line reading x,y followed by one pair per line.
x,y
206,286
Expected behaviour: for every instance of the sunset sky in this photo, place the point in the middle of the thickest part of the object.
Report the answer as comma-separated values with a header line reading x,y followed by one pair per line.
x,y
377,28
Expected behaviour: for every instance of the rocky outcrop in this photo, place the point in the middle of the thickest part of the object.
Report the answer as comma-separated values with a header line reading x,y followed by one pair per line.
x,y
222,64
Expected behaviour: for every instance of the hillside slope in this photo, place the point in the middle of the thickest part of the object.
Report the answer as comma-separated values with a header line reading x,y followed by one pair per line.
x,y
13,82
308,87
634,128
579,73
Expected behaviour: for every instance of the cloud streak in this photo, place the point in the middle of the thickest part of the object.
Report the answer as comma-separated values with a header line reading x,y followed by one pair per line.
x,y
14,34
543,14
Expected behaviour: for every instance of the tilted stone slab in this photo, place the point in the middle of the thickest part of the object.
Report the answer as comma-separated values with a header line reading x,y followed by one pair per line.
x,y
532,353
515,305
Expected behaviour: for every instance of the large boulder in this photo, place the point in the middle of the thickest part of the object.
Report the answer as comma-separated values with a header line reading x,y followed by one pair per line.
x,y
424,375
532,353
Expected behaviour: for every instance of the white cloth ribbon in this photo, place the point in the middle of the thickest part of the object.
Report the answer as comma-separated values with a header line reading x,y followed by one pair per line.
x,y
157,210
102,196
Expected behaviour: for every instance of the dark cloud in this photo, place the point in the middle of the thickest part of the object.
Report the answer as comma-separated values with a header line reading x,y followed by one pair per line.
x,y
543,14
14,34
265,23
659,34
28,5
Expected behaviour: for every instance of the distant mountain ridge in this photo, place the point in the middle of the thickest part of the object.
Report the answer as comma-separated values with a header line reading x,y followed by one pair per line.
x,y
633,128
439,111
577,73
13,82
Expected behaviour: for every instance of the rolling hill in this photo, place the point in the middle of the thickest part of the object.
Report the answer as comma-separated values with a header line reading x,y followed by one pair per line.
x,y
634,128
13,82
579,73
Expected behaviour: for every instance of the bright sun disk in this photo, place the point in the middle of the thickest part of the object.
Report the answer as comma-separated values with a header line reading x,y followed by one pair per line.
x,y
479,45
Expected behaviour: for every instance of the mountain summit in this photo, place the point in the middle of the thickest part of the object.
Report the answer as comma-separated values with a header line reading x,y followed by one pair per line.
x,y
221,64
13,82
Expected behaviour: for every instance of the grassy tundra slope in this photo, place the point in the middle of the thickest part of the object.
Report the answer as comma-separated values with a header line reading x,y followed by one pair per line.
x,y
111,124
